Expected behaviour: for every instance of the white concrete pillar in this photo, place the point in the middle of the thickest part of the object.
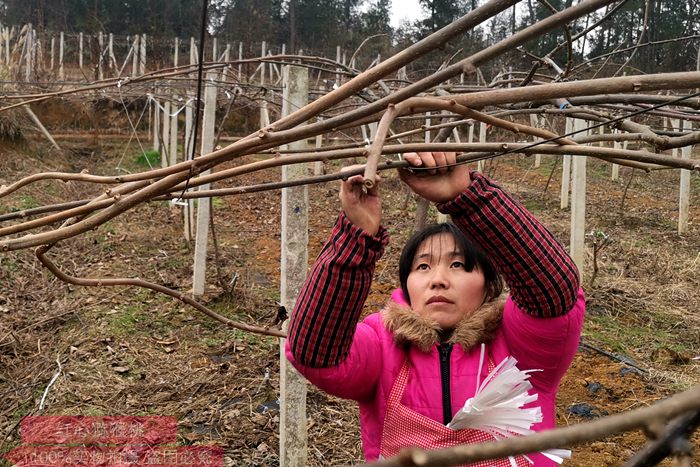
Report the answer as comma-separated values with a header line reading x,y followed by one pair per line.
x,y
295,211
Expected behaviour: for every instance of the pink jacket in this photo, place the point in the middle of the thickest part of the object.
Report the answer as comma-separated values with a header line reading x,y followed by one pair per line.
x,y
369,371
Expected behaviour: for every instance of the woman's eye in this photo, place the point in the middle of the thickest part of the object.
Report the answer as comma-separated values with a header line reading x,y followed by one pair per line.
x,y
422,267
457,264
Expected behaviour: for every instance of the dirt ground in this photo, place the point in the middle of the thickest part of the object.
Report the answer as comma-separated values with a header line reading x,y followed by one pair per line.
x,y
125,351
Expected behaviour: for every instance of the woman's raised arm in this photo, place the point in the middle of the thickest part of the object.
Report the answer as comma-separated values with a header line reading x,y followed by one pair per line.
x,y
542,277
322,325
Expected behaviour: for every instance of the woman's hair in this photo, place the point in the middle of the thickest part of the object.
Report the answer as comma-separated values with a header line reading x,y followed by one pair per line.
x,y
473,258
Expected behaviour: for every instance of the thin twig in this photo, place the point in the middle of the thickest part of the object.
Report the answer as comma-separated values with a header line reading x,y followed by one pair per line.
x,y
217,256
357,50
624,195
53,380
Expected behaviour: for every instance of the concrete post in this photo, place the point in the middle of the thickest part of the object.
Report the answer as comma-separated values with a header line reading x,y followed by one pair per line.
x,y
566,170
61,45
142,60
295,211
100,47
578,207
204,204
156,126
80,50
537,121
188,214
135,57
172,152
615,173
482,139
684,196
165,137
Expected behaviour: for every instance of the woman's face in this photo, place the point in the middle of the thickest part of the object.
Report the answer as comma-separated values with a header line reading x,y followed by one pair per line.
x,y
439,287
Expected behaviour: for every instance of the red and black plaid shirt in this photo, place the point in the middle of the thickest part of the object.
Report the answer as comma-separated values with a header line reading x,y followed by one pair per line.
x,y
542,277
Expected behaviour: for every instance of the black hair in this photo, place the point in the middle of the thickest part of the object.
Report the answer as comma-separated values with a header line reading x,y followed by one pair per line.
x,y
474,257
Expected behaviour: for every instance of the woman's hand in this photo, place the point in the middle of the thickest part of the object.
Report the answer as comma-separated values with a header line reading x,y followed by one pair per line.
x,y
363,208
443,182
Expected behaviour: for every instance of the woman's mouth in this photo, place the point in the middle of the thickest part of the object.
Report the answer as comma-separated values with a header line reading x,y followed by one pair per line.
x,y
438,299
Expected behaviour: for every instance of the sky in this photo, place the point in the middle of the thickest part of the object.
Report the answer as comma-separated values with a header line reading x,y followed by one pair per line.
x,y
404,9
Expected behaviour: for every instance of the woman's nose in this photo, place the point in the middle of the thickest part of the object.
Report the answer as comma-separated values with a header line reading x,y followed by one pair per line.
x,y
438,279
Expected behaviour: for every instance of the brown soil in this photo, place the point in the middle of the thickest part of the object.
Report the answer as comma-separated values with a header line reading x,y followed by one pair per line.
x,y
132,352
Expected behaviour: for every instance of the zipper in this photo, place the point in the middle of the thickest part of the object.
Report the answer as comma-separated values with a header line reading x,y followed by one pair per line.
x,y
445,350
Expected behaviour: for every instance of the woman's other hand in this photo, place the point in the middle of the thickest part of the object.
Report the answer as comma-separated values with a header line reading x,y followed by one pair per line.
x,y
442,181
362,207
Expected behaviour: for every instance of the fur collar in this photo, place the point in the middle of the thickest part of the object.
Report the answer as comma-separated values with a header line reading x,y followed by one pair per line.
x,y
410,328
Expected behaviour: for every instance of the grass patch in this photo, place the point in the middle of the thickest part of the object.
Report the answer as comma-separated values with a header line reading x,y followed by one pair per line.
x,y
694,182
25,202
92,411
23,410
678,386
148,159
626,337
598,170
105,232
175,262
545,167
255,340
534,205
217,202
212,341
143,314
125,322
107,228
8,265
227,307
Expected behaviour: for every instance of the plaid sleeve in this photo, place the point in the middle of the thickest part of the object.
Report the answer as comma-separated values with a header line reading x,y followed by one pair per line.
x,y
542,277
329,304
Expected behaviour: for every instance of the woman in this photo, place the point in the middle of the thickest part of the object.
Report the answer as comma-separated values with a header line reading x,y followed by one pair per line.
x,y
414,365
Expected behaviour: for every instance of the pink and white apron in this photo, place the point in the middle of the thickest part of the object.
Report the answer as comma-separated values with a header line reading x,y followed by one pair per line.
x,y
404,427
